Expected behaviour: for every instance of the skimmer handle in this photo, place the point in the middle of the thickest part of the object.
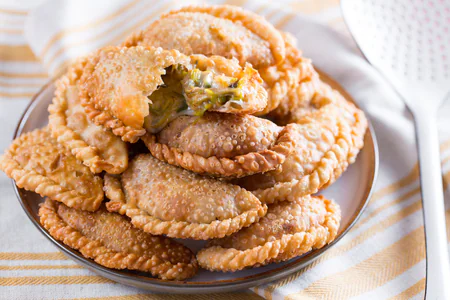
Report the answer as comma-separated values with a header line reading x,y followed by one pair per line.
x,y
438,267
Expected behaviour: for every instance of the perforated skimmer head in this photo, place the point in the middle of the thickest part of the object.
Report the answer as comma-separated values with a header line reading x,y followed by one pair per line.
x,y
408,41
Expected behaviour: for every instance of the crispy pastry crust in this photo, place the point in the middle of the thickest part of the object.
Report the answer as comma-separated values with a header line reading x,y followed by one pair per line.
x,y
129,248
354,117
220,135
196,231
114,192
358,131
283,81
297,94
187,206
123,109
97,147
240,165
289,229
38,163
252,21
312,182
117,81
230,31
331,137
280,77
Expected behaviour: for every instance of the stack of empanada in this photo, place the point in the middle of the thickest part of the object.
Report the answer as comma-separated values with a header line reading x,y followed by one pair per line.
x,y
240,132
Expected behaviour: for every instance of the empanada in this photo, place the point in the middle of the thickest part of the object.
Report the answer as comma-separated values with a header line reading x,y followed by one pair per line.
x,y
141,89
223,145
289,229
223,30
111,241
233,32
163,199
38,163
290,82
330,133
97,147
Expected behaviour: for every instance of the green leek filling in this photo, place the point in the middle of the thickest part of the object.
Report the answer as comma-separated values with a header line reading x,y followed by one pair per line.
x,y
189,92
203,91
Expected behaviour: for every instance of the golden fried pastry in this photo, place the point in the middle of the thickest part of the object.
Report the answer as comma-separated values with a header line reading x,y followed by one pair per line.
x,y
139,89
309,104
329,135
222,30
111,241
233,32
223,145
38,163
358,124
97,147
163,199
289,83
327,96
289,229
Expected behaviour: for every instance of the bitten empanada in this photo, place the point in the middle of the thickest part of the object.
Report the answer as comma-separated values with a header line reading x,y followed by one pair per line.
x,y
233,32
38,163
289,229
223,145
163,199
111,241
223,30
97,147
141,89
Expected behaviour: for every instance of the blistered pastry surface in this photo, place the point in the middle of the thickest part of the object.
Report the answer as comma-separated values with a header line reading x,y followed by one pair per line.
x,y
38,163
223,30
289,229
96,146
113,242
163,199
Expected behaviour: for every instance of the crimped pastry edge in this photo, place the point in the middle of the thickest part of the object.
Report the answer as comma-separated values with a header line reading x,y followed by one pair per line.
x,y
196,231
300,70
357,135
44,186
217,258
253,22
89,155
333,163
92,249
104,117
176,229
239,166
311,183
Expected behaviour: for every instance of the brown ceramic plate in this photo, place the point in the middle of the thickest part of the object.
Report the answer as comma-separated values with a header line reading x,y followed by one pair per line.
x,y
352,191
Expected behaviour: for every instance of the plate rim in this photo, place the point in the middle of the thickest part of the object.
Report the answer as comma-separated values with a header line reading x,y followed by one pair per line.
x,y
188,287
